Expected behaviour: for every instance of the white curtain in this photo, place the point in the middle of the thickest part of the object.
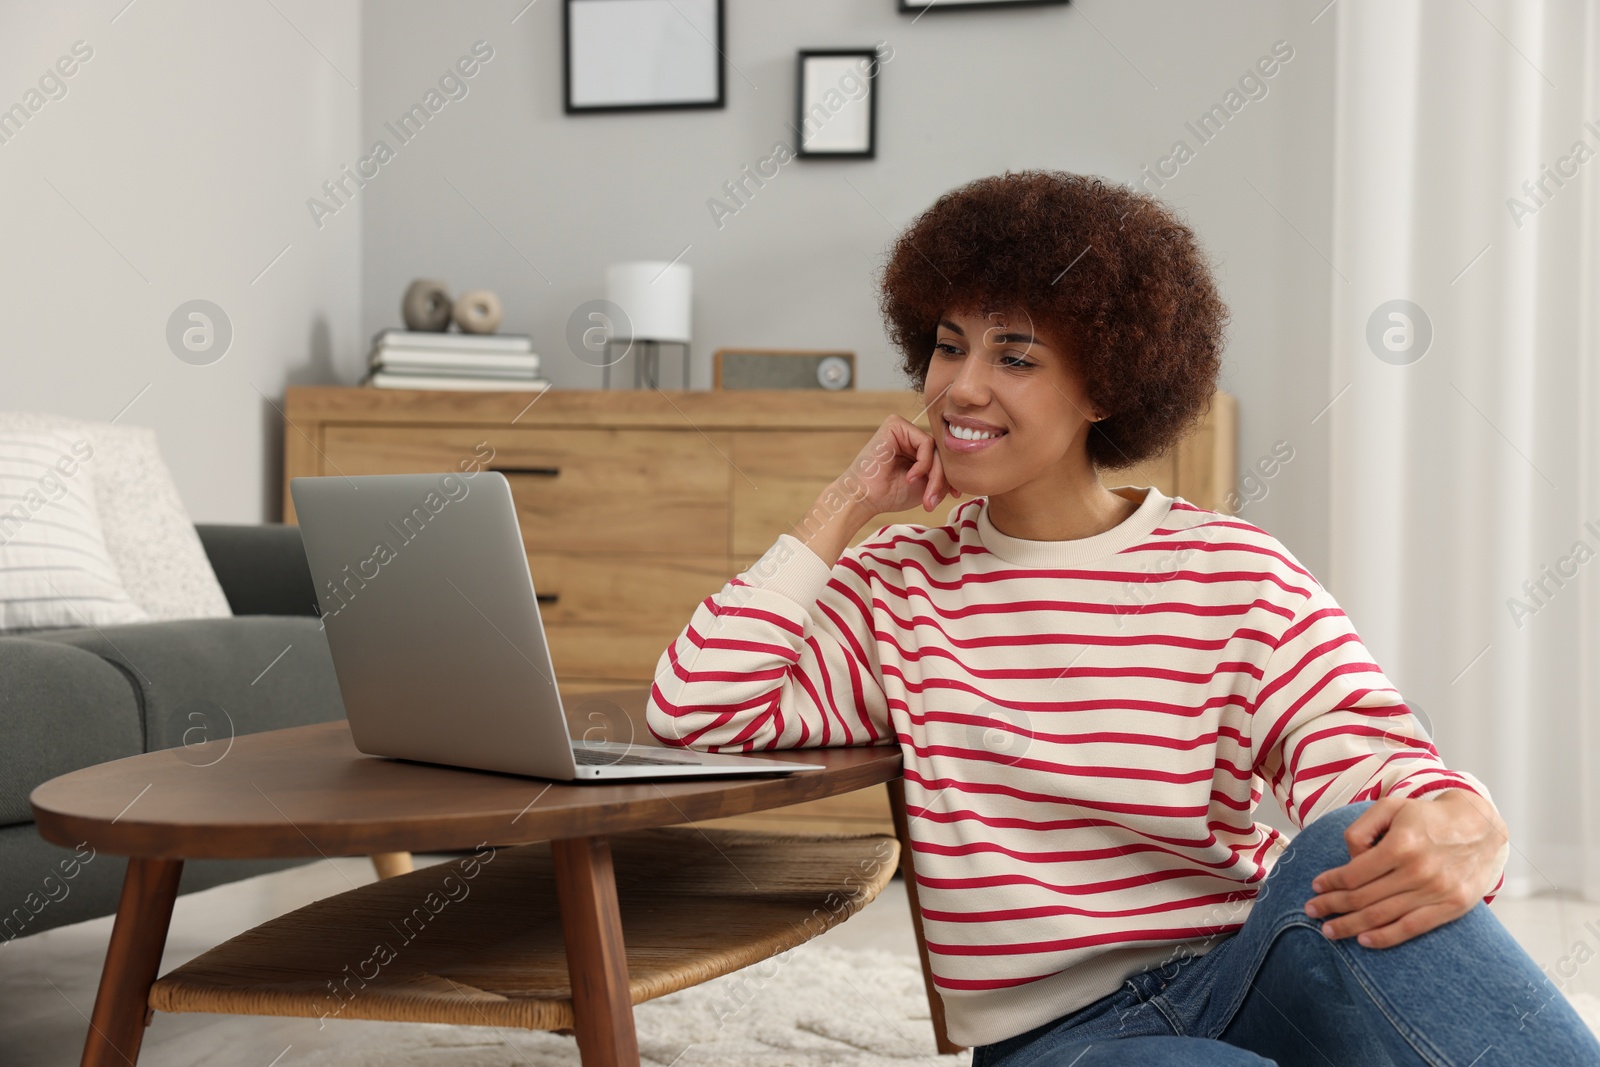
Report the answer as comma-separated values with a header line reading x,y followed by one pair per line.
x,y
1459,476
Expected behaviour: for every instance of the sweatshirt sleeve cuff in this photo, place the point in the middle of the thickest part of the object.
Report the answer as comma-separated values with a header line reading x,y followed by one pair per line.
x,y
1431,785
790,567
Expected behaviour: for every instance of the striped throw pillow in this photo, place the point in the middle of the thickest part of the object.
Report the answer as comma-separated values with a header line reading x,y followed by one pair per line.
x,y
54,568
146,527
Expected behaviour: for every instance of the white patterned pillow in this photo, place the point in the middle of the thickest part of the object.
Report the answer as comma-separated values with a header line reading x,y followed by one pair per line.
x,y
146,529
55,570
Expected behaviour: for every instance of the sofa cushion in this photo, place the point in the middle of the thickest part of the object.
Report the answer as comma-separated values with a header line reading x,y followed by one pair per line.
x,y
54,566
202,682
61,708
146,529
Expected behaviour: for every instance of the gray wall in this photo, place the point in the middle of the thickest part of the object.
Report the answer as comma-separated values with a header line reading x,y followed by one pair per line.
x,y
503,190
176,167
185,153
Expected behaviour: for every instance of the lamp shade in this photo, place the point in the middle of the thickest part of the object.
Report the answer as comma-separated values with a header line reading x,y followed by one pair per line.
x,y
654,295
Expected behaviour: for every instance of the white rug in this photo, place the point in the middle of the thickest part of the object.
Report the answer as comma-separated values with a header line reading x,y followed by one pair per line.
x,y
814,1006
1588,1008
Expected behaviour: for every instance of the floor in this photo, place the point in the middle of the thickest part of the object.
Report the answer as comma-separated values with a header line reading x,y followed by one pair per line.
x,y
47,981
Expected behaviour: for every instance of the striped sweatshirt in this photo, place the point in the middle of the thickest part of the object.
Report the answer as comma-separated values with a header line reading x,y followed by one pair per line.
x,y
1087,727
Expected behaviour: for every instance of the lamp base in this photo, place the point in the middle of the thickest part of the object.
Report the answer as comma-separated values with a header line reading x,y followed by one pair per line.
x,y
646,365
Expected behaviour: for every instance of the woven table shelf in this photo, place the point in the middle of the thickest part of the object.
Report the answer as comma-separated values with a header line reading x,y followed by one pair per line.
x,y
478,940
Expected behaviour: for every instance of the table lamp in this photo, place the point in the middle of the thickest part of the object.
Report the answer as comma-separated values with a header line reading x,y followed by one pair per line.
x,y
654,299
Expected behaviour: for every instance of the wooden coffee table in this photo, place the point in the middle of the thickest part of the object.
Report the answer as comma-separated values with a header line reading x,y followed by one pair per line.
x,y
307,792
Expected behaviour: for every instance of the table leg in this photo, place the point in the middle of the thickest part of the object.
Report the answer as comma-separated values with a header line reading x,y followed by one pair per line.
x,y
591,923
391,864
908,871
139,933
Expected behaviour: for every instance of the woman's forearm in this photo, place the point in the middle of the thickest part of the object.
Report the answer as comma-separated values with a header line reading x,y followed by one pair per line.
x,y
832,522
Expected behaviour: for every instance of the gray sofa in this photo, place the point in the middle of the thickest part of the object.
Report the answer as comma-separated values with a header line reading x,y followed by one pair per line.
x,y
76,697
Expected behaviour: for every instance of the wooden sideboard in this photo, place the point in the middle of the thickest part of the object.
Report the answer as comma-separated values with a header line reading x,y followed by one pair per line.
x,y
635,505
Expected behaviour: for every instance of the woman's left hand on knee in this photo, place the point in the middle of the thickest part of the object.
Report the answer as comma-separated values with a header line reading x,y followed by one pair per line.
x,y
1416,863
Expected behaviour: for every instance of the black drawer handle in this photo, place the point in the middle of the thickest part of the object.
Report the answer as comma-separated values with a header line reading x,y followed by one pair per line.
x,y
547,598
548,472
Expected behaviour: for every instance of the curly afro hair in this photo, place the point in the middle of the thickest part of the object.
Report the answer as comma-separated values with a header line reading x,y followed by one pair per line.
x,y
1106,265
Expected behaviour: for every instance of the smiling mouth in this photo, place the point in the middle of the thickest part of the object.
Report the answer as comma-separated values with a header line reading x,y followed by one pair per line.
x,y
963,435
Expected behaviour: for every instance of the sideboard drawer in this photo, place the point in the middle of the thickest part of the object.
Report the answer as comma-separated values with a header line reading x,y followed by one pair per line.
x,y
595,490
612,617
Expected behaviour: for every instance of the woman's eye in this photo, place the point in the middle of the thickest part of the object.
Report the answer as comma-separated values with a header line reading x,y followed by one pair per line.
x,y
1020,362
946,348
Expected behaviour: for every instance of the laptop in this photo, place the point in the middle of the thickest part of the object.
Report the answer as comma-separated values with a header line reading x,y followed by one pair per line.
x,y
440,653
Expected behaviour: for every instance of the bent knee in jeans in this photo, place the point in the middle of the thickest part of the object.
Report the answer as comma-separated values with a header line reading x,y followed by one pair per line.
x,y
1319,846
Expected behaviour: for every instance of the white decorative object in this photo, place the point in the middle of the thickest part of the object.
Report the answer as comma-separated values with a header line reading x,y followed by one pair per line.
x,y
478,311
655,296
55,570
146,529
651,303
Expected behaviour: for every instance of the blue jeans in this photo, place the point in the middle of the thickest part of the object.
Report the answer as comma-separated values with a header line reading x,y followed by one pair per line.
x,y
1276,991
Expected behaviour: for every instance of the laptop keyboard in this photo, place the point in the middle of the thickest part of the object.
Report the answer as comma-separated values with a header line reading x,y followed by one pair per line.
x,y
630,759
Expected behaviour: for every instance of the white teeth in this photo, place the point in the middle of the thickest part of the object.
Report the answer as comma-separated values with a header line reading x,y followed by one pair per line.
x,y
964,434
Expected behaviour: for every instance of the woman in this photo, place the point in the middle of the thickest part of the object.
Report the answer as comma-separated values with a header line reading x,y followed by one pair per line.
x,y
1093,687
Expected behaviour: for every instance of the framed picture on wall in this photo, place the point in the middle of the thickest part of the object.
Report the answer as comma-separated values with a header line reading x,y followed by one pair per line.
x,y
919,6
639,55
836,103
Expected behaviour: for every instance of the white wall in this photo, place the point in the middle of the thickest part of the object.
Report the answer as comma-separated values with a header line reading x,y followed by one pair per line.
x,y
176,167
503,190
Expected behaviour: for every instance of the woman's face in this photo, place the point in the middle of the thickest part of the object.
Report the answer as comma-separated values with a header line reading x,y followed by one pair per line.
x,y
1016,383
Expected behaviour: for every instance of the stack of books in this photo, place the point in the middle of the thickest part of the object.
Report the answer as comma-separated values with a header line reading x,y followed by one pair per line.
x,y
404,359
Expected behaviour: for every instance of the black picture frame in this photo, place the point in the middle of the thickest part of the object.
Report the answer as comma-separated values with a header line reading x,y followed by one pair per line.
x,y
719,57
915,7
873,61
